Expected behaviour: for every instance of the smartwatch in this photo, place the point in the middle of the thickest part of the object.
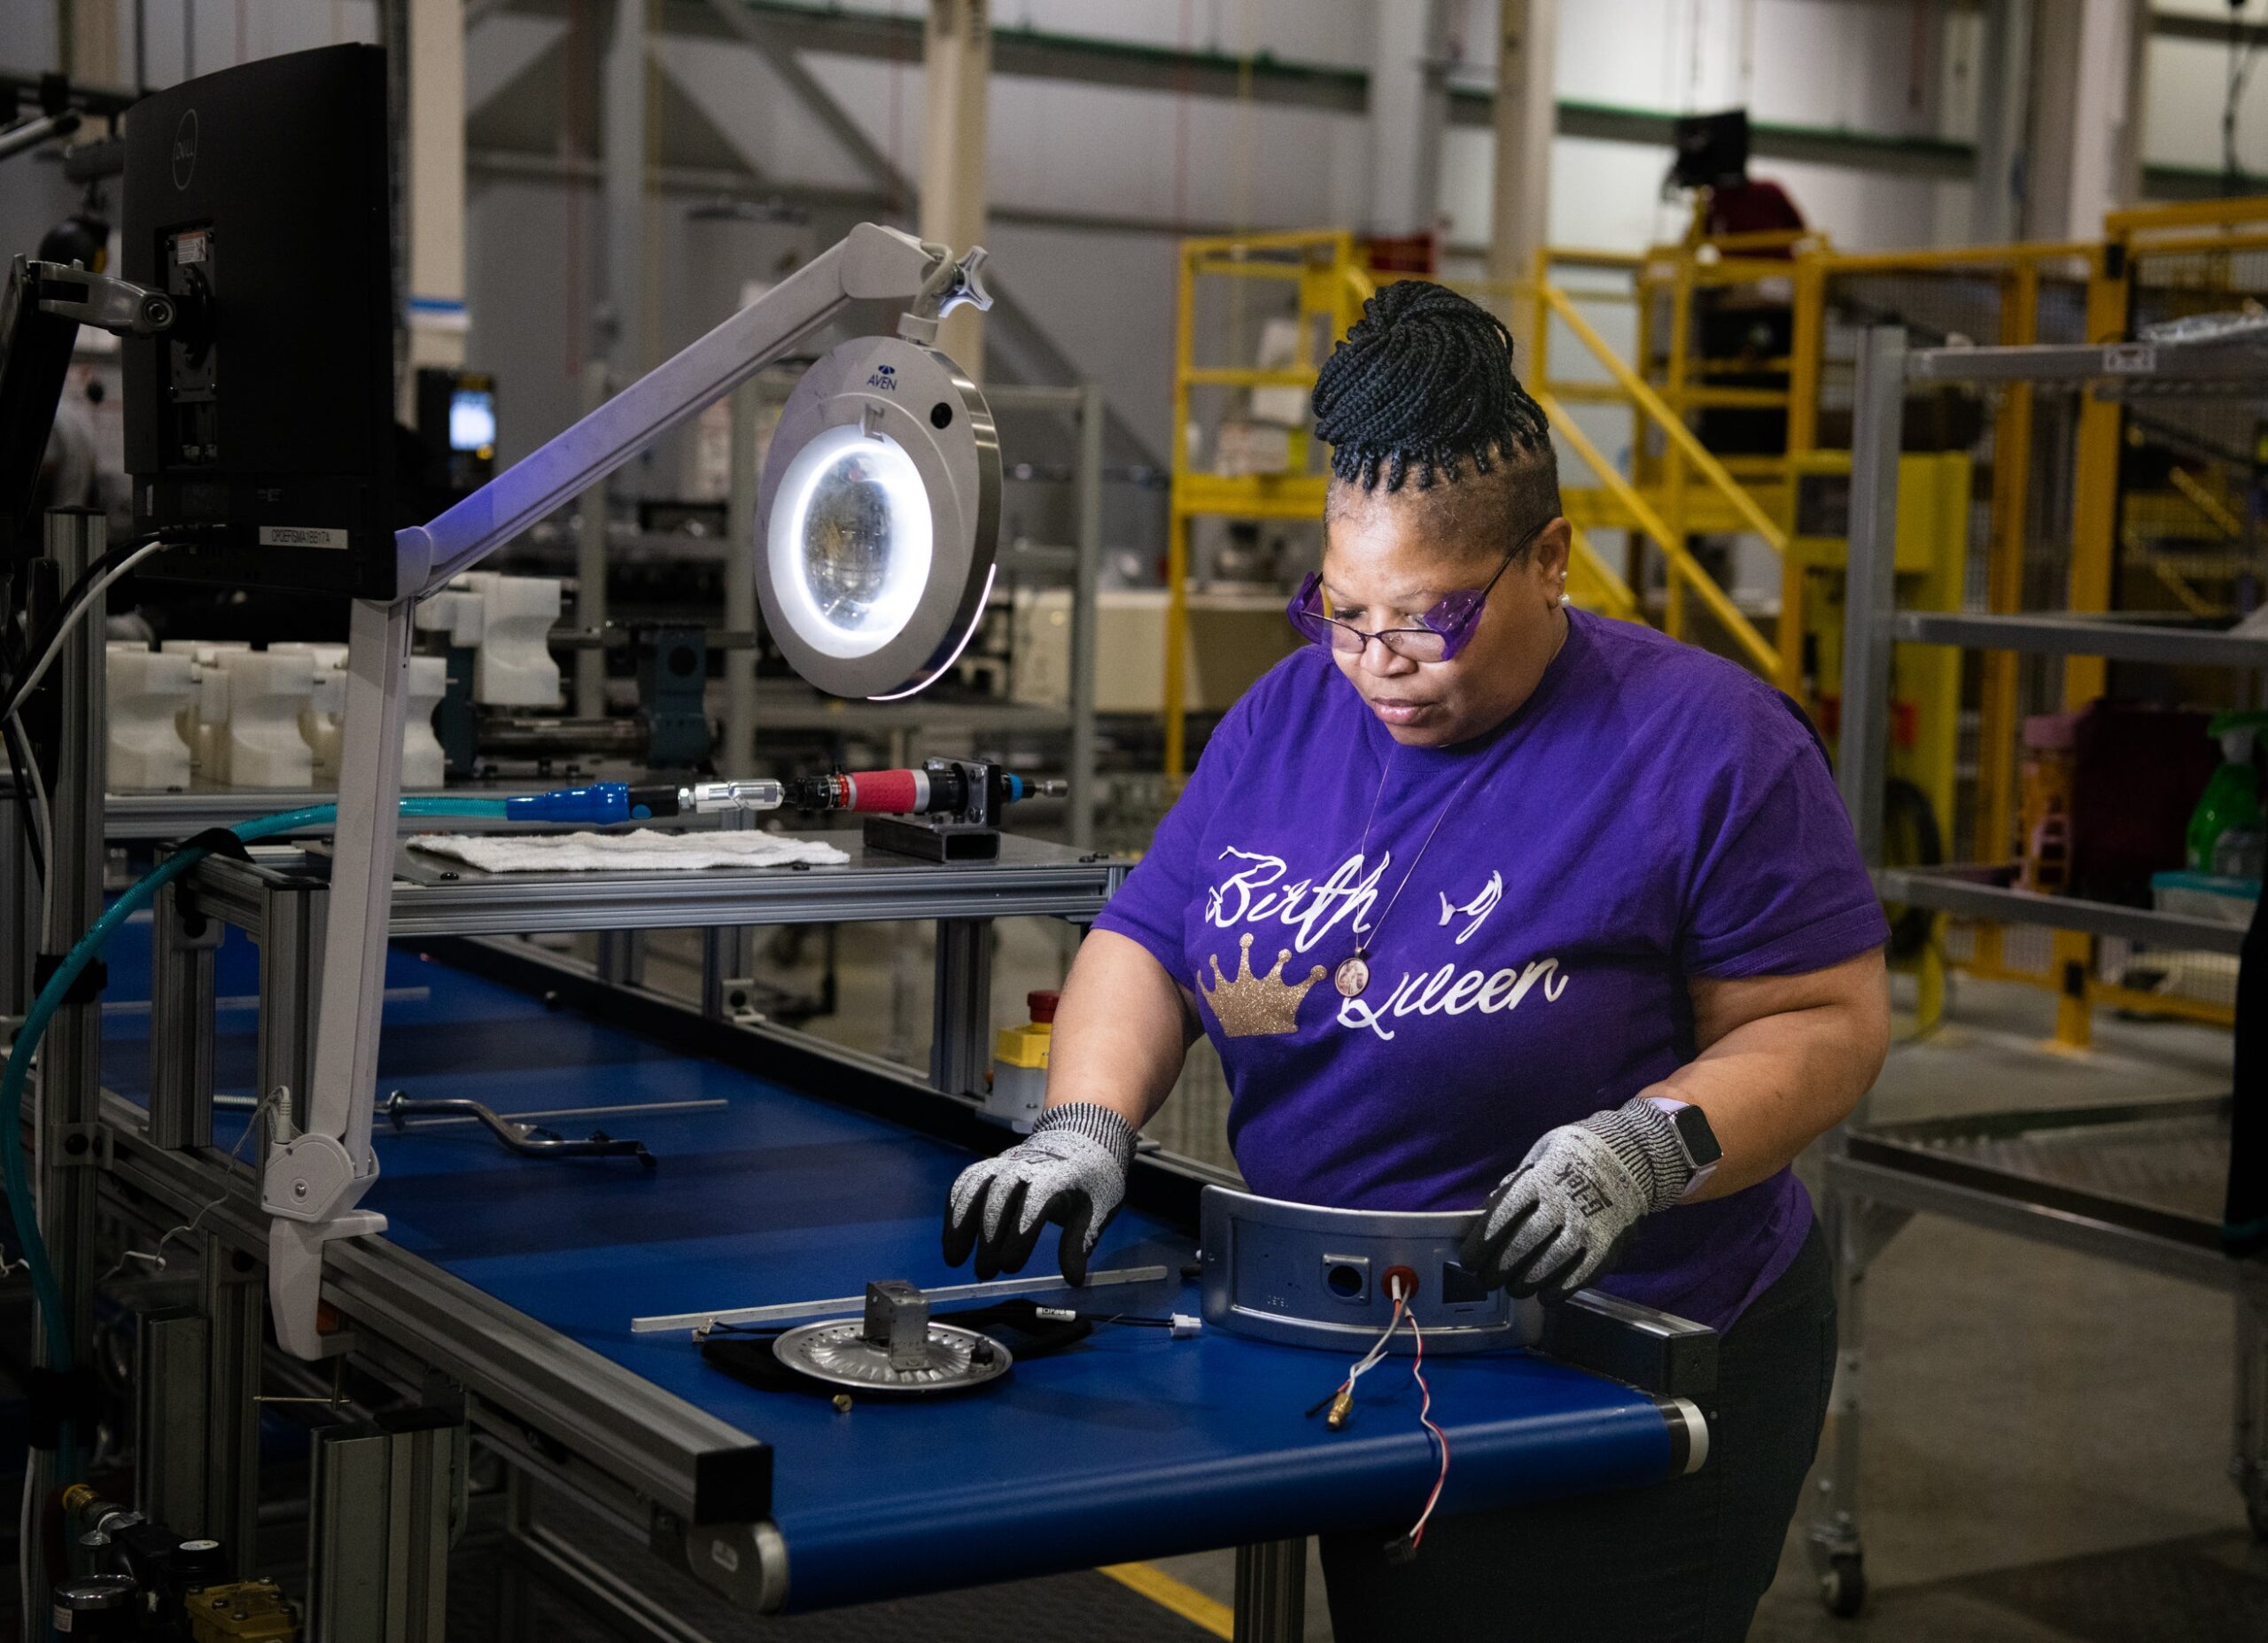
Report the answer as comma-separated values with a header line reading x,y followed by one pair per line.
x,y
1694,1136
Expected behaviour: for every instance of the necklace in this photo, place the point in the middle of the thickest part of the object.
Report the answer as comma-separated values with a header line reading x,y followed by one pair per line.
x,y
1354,972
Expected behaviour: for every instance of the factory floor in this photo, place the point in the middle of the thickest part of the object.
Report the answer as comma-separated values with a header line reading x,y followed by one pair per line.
x,y
2047,1435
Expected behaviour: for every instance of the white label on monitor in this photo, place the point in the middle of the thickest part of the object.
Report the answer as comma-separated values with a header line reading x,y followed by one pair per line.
x,y
301,536
189,248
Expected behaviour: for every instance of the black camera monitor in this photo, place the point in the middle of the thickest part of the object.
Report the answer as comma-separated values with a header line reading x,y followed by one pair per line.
x,y
1711,150
261,428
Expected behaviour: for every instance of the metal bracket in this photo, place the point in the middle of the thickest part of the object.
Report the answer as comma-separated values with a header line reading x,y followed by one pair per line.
x,y
82,1146
106,301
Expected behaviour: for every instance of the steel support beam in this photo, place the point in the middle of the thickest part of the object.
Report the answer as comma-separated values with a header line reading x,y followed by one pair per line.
x,y
1996,216
1527,60
1409,111
1863,744
172,1350
70,1055
182,946
960,1036
436,167
776,43
624,160
378,1531
590,566
235,1303
957,58
2087,115
1271,1592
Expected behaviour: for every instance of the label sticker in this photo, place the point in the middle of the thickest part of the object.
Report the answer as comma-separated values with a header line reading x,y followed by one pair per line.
x,y
301,536
189,249
2130,359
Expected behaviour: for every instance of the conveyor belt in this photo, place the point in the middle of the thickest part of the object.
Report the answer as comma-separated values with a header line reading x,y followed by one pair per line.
x,y
2159,1167
1132,1445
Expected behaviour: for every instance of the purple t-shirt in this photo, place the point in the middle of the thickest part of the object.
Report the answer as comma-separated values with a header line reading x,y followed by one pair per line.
x,y
1651,813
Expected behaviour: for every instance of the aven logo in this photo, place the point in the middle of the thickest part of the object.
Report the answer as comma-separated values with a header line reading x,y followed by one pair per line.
x,y
885,377
185,149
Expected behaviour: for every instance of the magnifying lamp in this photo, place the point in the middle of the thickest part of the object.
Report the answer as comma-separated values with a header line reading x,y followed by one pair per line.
x,y
876,517
877,513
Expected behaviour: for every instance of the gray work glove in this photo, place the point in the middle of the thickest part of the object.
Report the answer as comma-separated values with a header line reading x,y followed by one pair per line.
x,y
1072,1171
1552,1225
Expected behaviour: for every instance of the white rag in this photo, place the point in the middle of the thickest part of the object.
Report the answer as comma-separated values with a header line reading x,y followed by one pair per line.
x,y
640,850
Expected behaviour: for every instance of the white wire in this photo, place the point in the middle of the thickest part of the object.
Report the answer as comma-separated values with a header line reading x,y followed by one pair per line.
x,y
72,617
154,1258
1426,1419
43,819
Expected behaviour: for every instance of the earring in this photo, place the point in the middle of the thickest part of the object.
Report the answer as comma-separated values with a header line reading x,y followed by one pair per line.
x,y
1566,598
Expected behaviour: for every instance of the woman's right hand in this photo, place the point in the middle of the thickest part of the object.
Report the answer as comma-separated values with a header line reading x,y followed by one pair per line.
x,y
1071,1172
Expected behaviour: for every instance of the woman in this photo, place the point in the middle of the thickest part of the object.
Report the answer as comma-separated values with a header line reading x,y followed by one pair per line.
x,y
1582,937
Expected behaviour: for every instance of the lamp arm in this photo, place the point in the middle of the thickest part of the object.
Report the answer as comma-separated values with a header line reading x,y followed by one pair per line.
x,y
313,1180
869,262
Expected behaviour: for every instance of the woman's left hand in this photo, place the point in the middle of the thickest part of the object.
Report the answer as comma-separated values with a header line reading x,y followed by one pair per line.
x,y
1552,1225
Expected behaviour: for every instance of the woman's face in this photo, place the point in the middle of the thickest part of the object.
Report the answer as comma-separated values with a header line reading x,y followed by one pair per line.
x,y
1386,562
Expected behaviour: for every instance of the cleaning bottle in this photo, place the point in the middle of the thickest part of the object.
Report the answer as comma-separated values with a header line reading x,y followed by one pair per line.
x,y
2232,798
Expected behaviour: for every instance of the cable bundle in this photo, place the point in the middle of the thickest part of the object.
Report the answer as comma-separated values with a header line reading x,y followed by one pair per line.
x,y
1341,1404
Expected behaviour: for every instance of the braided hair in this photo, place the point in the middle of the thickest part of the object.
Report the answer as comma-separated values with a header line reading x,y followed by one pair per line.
x,y
1422,384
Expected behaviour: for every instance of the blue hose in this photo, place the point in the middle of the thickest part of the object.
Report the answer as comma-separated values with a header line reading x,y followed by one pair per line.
x,y
12,1170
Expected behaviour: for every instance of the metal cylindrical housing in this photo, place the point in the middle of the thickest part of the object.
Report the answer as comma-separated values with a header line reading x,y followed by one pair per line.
x,y
97,1606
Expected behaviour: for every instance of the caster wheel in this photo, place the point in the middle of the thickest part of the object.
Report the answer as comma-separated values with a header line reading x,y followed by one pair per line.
x,y
1843,1588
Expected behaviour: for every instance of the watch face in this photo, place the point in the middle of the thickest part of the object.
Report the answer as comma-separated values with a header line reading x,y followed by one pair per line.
x,y
1700,1140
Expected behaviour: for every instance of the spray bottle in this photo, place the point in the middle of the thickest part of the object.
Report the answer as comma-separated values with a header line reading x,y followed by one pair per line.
x,y
2232,798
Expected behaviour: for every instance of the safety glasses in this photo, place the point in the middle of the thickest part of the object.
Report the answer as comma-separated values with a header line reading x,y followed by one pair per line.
x,y
1441,633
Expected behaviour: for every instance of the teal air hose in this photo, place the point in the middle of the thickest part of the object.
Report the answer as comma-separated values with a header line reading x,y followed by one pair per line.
x,y
12,1169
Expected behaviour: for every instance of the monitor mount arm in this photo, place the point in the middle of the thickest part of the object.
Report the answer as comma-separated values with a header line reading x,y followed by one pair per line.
x,y
314,1180
42,308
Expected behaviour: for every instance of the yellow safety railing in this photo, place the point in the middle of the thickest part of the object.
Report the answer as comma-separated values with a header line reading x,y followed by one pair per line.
x,y
1684,566
1330,287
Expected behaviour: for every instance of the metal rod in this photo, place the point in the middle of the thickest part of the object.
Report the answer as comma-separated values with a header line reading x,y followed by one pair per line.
x,y
70,1091
639,1109
1878,415
590,567
746,408
1001,1290
1089,504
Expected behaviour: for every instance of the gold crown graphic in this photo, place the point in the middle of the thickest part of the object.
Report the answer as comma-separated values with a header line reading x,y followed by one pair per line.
x,y
1254,1006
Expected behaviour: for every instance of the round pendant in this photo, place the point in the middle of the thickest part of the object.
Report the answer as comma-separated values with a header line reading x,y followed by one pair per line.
x,y
1352,975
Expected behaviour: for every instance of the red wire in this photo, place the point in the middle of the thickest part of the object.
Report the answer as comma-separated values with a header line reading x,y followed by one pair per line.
x,y
1424,1419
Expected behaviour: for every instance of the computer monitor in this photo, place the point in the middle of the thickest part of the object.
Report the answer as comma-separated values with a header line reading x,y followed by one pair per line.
x,y
456,428
262,429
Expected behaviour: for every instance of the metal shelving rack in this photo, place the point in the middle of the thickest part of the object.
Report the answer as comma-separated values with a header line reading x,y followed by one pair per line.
x,y
2139,1184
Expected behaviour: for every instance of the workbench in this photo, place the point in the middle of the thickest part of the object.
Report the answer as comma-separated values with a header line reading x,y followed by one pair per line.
x,y
515,1279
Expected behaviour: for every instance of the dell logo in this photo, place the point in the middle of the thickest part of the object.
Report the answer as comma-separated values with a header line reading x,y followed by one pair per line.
x,y
186,149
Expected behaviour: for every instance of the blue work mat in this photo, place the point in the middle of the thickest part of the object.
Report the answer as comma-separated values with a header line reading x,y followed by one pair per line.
x,y
1130,1444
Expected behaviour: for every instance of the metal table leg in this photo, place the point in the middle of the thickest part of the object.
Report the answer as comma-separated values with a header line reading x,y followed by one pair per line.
x,y
1857,1231
2248,1464
233,1296
1271,1592
960,1041
182,945
378,1532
